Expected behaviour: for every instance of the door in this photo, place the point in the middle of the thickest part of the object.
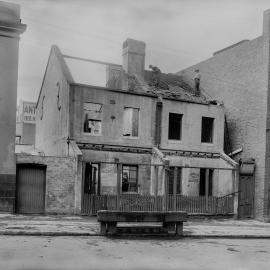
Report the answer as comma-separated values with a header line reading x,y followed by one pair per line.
x,y
30,189
92,179
246,196
91,187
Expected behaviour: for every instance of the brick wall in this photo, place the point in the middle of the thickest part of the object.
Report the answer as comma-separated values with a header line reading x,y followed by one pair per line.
x,y
237,76
61,177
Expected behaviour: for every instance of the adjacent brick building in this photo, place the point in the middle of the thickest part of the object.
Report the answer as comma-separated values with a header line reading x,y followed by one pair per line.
x,y
239,76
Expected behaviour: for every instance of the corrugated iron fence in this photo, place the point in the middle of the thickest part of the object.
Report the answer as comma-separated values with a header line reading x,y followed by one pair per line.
x,y
135,202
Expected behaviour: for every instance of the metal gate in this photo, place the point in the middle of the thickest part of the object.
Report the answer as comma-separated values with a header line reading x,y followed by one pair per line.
x,y
246,189
30,189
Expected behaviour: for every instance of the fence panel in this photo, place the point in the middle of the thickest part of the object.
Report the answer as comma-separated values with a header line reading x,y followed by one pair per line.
x,y
135,202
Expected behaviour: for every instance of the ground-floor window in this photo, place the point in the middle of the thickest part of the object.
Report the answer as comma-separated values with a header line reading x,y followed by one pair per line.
x,y
204,182
178,180
130,178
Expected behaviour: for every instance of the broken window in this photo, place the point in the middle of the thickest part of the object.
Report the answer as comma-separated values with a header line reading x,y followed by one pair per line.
x,y
130,178
18,140
131,122
178,180
206,183
175,126
207,129
92,118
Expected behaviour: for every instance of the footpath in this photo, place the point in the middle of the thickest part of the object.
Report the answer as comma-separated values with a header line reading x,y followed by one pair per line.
x,y
60,225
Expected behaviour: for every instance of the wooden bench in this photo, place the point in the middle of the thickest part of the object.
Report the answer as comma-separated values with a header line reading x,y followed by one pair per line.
x,y
172,221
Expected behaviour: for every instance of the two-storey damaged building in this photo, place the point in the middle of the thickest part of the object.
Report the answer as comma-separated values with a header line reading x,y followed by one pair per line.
x,y
167,138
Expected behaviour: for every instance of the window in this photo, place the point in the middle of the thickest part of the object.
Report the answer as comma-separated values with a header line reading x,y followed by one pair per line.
x,y
206,182
131,122
129,178
18,140
175,126
92,118
178,180
207,129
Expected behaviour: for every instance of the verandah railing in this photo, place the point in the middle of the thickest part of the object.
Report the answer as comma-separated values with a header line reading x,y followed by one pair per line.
x,y
134,202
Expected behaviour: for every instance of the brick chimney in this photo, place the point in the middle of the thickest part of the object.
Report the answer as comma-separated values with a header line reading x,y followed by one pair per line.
x,y
134,57
266,23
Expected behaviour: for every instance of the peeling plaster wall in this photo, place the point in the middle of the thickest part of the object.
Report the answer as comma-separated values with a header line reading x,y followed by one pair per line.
x,y
109,171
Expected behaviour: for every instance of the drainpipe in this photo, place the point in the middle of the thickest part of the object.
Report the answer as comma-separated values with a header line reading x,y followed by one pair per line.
x,y
159,106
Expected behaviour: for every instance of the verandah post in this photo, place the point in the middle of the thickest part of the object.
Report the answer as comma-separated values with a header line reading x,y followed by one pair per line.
x,y
156,187
118,187
174,187
206,188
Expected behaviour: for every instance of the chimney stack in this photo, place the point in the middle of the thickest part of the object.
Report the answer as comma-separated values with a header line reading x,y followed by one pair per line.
x,y
134,57
266,23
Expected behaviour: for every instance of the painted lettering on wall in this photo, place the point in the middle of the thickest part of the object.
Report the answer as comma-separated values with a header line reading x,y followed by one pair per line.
x,y
29,112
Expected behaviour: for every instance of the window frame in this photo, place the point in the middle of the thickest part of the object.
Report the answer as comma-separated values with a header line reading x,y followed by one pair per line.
x,y
99,119
211,141
123,128
202,182
181,127
137,178
179,182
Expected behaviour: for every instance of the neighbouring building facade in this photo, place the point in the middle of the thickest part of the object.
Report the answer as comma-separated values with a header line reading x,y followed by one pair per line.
x,y
26,123
10,30
239,76
144,120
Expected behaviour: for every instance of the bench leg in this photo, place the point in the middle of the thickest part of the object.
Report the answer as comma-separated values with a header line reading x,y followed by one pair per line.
x,y
169,227
179,228
111,227
103,228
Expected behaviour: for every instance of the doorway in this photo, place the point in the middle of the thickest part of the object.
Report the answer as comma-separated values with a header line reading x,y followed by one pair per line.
x,y
30,189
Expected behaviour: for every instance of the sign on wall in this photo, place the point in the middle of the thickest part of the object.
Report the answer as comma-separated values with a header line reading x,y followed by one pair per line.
x,y
26,112
29,112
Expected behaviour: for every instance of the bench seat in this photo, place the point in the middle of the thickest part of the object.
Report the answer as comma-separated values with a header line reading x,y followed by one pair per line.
x,y
172,221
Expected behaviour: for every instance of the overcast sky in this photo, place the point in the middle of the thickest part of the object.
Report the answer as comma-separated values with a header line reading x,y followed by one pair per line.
x,y
178,33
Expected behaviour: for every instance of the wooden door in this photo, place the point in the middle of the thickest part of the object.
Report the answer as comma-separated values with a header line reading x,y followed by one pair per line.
x,y
246,196
91,187
30,189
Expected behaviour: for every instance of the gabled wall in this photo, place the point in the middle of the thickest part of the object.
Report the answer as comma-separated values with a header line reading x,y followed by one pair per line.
x,y
52,119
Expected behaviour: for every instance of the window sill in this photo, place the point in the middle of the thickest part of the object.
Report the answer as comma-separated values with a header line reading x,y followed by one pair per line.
x,y
175,141
94,135
130,137
207,143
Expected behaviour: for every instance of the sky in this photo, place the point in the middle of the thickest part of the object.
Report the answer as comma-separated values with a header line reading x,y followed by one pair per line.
x,y
177,33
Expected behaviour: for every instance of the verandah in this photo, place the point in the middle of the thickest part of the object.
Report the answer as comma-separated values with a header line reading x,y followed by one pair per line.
x,y
211,205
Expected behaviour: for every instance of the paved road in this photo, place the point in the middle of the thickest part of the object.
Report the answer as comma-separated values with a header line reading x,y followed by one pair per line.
x,y
22,252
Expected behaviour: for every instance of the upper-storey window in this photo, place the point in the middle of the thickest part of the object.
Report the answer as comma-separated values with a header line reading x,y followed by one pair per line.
x,y
175,126
207,130
131,122
92,118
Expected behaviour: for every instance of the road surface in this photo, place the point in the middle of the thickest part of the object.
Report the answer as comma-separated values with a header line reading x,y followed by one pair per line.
x,y
76,253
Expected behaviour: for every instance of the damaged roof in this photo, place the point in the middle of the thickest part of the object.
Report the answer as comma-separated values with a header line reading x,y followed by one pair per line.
x,y
173,86
169,86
